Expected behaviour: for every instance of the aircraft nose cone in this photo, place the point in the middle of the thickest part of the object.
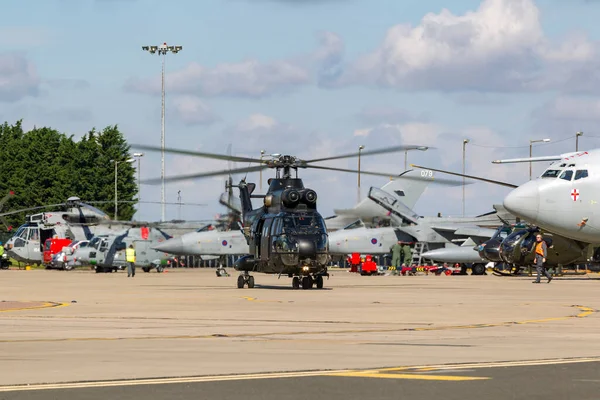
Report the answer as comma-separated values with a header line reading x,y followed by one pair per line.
x,y
307,247
171,246
524,201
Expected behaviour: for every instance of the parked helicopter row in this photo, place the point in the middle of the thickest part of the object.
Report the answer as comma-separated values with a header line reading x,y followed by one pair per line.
x,y
288,236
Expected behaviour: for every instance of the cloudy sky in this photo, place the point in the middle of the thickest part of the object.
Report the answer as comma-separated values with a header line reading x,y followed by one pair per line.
x,y
312,78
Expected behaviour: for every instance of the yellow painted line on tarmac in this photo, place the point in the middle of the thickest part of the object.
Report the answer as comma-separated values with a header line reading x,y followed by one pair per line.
x,y
492,364
41,306
586,312
408,376
162,381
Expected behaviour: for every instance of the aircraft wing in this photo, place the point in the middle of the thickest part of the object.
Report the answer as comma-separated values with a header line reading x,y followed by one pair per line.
x,y
564,156
466,230
529,159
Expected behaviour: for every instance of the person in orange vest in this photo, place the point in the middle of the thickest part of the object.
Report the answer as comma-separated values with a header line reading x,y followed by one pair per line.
x,y
541,252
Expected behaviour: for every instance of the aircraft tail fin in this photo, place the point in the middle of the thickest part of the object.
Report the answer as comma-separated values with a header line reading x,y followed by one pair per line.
x,y
410,190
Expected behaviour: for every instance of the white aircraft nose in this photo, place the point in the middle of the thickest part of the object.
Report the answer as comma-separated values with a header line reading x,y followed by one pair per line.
x,y
524,201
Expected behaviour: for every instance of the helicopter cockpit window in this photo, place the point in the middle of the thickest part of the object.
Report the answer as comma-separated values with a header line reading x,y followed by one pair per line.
x,y
103,245
581,173
551,173
567,175
356,224
19,231
33,234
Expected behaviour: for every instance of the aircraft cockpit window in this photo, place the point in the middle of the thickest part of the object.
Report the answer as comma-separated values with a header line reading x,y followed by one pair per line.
x,y
571,165
581,173
33,234
567,175
356,224
551,173
563,165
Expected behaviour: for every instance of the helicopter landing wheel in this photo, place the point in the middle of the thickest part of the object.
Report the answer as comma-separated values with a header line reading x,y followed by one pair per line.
x,y
319,281
250,282
241,281
307,282
295,283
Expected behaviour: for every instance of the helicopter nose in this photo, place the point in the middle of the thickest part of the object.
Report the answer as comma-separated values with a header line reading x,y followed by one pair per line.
x,y
306,247
171,246
524,201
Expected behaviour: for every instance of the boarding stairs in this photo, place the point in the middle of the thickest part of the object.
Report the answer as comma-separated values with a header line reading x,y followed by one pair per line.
x,y
420,248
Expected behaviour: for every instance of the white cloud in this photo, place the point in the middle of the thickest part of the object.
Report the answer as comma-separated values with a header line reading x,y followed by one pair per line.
x,y
390,115
251,77
18,78
193,111
248,78
499,47
571,108
256,121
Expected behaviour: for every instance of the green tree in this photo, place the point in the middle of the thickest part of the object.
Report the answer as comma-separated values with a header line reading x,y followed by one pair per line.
x,y
44,166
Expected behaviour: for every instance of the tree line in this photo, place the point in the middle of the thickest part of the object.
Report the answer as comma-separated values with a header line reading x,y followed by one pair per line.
x,y
44,166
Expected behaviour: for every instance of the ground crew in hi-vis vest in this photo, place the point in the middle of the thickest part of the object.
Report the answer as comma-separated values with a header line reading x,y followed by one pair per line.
x,y
541,252
130,253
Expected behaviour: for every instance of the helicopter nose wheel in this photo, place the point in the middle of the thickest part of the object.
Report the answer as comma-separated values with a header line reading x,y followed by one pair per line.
x,y
307,282
245,279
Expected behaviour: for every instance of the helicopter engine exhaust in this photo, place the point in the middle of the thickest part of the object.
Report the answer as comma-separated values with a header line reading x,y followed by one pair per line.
x,y
290,197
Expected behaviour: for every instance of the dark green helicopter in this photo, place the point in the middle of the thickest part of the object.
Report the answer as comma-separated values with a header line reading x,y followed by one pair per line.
x,y
286,235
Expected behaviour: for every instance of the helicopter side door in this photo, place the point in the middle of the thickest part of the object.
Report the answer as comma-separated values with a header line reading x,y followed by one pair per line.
x,y
265,242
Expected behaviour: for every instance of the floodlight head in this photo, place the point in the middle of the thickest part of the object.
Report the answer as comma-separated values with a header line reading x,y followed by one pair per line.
x,y
545,140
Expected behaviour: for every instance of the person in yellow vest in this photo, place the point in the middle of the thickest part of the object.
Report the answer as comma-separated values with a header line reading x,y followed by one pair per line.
x,y
130,254
541,252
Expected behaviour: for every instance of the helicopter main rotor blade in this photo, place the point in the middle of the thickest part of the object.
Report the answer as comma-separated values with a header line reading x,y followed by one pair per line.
x,y
206,174
510,185
371,152
31,209
199,154
415,178
143,202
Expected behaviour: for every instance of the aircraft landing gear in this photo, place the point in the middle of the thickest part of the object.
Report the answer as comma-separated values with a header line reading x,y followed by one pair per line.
x,y
307,282
245,279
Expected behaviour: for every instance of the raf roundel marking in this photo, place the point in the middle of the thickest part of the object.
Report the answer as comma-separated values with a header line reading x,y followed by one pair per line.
x,y
374,241
224,242
575,194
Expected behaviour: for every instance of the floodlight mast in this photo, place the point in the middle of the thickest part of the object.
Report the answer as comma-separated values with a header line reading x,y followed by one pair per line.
x,y
162,50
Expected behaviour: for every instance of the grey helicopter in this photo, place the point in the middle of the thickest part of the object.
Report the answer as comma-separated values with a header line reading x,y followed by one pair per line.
x,y
286,235
106,253
77,221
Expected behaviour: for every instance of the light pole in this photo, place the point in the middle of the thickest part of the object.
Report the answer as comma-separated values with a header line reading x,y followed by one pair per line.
x,y
162,50
465,141
531,142
116,181
358,187
262,153
577,140
138,156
